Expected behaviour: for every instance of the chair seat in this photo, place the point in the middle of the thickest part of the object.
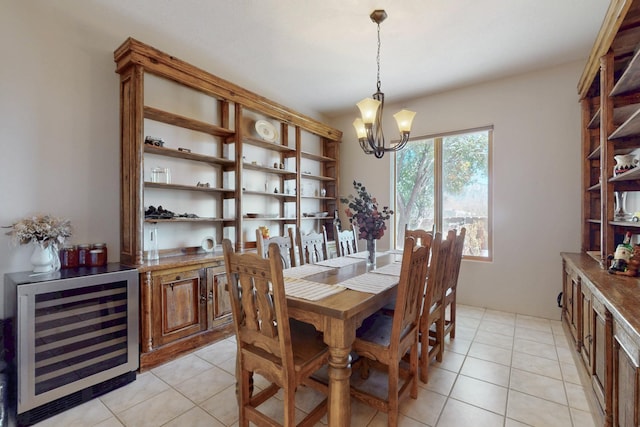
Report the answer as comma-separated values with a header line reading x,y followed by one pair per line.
x,y
306,342
376,329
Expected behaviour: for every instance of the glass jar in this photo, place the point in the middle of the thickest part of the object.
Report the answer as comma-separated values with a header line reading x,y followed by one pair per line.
x,y
98,254
83,255
69,257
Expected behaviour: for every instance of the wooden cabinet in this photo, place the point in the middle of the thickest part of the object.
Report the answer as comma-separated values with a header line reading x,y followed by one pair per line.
x,y
626,386
221,177
610,331
571,302
610,98
586,327
183,306
600,323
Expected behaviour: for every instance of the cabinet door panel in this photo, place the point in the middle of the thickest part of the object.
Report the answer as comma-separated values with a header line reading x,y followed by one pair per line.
x,y
178,300
223,302
599,348
626,389
586,336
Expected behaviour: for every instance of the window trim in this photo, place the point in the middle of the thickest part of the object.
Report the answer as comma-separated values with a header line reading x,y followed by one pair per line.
x,y
438,196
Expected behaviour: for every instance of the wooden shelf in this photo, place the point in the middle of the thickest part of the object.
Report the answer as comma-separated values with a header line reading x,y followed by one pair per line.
x,y
317,177
626,224
185,122
256,142
629,175
595,154
170,152
188,187
631,127
594,123
252,166
316,157
180,219
317,197
630,79
266,193
246,218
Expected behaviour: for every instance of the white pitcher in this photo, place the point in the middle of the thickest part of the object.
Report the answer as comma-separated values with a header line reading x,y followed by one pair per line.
x,y
624,162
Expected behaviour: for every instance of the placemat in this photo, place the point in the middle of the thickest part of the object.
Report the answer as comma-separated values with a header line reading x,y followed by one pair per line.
x,y
339,262
370,282
364,254
304,270
306,289
392,269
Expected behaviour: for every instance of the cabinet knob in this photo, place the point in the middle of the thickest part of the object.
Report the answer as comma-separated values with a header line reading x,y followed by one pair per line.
x,y
178,277
210,295
203,299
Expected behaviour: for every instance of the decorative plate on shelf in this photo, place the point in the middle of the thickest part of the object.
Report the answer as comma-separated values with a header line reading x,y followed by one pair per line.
x,y
266,130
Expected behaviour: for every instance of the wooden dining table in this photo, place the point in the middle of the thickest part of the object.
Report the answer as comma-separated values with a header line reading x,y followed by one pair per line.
x,y
338,316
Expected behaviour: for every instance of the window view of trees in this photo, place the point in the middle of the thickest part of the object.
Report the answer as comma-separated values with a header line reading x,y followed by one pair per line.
x,y
444,181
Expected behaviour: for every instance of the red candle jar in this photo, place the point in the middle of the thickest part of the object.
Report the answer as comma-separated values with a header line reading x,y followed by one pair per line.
x,y
69,257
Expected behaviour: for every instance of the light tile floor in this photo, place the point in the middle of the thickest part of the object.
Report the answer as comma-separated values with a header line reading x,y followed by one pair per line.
x,y
502,369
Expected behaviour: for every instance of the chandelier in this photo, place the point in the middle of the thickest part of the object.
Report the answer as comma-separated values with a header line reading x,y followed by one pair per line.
x,y
369,127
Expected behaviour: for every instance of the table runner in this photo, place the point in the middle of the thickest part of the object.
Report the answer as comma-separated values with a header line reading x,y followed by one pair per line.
x,y
306,289
339,262
370,282
304,270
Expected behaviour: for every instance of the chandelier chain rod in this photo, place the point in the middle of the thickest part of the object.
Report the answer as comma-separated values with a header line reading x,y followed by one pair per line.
x,y
378,58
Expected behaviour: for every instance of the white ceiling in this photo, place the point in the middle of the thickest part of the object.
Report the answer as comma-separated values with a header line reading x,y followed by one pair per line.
x,y
320,56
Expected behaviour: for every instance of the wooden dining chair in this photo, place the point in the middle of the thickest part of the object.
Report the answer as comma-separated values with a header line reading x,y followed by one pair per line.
x,y
423,238
419,234
451,282
284,351
312,247
384,340
285,243
432,316
346,241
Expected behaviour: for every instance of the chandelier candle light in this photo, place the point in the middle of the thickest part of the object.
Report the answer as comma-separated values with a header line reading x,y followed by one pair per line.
x,y
369,127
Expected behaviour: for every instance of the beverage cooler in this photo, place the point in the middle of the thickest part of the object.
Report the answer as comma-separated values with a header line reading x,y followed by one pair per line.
x,y
70,336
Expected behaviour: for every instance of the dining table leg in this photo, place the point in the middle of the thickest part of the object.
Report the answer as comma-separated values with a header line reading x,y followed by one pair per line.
x,y
339,336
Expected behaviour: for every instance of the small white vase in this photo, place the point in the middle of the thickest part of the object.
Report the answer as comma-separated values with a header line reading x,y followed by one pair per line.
x,y
44,259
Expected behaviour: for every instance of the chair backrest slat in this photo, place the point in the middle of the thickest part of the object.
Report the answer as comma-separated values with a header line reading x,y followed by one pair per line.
x,y
411,287
346,241
285,244
312,247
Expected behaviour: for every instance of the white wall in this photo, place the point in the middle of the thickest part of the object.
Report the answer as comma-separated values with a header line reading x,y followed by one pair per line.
x,y
536,180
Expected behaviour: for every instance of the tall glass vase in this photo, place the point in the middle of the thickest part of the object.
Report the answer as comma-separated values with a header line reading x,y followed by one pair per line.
x,y
371,252
620,211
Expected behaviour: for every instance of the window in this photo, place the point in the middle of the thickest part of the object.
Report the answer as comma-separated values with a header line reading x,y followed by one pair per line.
x,y
444,180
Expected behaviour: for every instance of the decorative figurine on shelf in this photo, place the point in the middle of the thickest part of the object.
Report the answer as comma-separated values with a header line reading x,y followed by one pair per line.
x,y
634,262
264,231
622,256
